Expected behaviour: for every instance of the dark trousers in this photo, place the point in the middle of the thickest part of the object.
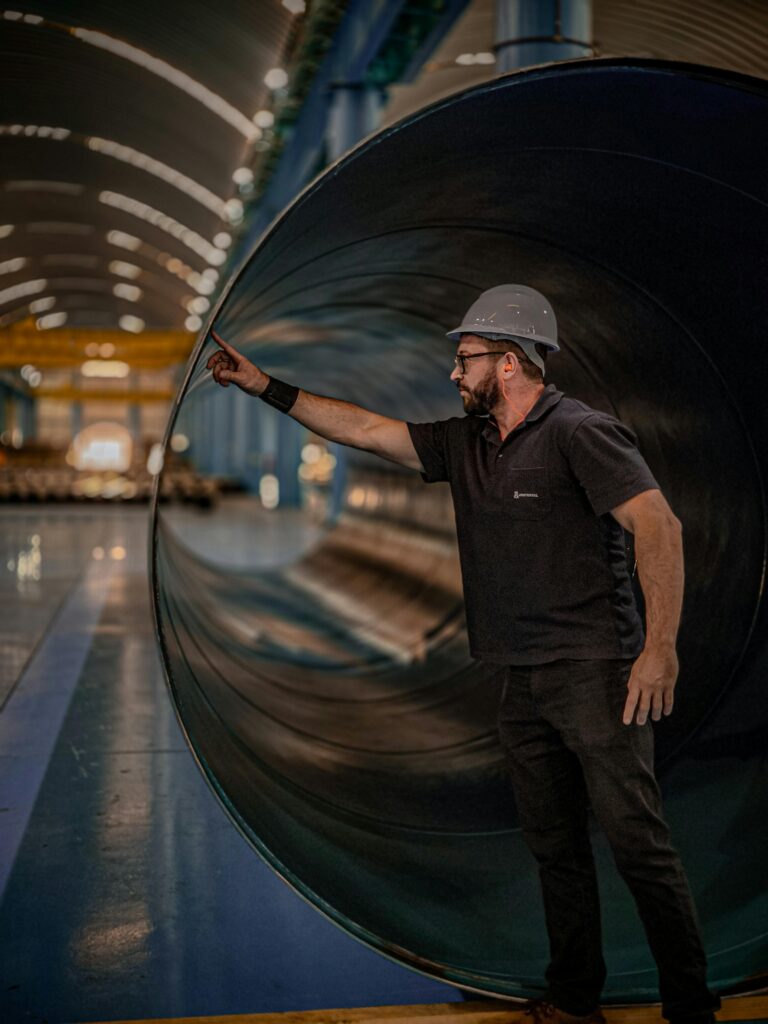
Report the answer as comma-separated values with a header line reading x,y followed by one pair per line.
x,y
566,747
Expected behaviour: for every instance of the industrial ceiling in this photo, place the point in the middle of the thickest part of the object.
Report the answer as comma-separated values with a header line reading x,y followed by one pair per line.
x,y
129,145
121,126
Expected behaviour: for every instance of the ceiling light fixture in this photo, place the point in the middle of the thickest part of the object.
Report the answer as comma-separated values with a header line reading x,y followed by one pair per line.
x,y
12,265
198,305
196,90
134,324
187,185
129,292
476,58
123,269
105,368
45,323
216,104
43,131
124,241
276,78
19,291
175,266
210,253
233,210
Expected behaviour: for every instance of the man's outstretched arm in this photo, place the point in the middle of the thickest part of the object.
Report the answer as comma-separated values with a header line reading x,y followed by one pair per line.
x,y
659,554
330,418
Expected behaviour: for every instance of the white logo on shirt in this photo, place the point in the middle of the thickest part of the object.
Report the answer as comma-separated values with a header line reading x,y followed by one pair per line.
x,y
520,494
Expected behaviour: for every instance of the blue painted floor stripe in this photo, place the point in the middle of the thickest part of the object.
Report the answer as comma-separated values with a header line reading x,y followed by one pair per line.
x,y
131,895
33,715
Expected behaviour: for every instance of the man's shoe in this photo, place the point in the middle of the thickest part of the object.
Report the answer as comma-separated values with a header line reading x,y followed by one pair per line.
x,y
542,1012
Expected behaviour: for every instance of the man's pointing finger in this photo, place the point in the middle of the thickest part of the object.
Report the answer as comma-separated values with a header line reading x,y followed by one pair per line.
x,y
225,345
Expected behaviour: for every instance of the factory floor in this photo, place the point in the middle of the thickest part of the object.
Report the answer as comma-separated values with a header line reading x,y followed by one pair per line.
x,y
125,891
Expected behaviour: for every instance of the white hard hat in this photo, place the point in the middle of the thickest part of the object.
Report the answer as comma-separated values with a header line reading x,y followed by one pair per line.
x,y
515,312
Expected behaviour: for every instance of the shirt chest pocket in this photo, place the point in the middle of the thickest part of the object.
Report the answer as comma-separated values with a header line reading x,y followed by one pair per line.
x,y
524,493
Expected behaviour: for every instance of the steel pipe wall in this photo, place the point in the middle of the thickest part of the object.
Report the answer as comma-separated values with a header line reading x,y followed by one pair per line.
x,y
326,689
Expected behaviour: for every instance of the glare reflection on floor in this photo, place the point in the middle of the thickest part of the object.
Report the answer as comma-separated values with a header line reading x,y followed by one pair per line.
x,y
132,895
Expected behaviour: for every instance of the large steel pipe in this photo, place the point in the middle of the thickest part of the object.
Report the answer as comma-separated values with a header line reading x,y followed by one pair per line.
x,y
325,686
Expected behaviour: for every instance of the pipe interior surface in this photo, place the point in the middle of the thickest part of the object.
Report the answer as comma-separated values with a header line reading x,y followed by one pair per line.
x,y
326,689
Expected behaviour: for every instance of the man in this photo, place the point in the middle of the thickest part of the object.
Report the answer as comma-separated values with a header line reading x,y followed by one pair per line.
x,y
544,487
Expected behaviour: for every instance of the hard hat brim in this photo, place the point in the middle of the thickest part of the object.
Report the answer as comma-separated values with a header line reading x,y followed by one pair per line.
x,y
457,332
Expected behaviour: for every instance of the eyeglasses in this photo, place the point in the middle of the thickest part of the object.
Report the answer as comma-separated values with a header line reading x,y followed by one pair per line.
x,y
460,361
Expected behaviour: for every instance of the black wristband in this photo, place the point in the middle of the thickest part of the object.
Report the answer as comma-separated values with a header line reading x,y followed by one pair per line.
x,y
279,394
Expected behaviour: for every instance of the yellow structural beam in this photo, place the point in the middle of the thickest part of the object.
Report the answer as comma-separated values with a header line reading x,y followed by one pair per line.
x,y
62,348
70,394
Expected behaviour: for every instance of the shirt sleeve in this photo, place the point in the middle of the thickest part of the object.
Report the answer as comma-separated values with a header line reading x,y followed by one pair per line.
x,y
604,456
430,442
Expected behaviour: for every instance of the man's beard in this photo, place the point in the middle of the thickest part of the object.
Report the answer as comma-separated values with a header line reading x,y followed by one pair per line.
x,y
480,400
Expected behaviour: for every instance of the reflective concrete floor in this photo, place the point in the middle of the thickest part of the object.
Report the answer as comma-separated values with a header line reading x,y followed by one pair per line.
x,y
125,890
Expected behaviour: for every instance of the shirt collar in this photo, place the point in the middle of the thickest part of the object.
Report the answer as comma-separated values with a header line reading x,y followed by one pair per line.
x,y
549,397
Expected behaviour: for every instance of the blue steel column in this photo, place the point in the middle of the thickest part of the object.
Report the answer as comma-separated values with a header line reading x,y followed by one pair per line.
x,y
340,110
539,31
219,444
204,448
187,425
290,435
33,407
218,433
266,428
26,413
255,443
355,112
76,418
229,436
239,445
134,422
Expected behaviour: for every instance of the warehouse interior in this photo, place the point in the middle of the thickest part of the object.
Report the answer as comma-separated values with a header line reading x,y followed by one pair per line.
x,y
170,167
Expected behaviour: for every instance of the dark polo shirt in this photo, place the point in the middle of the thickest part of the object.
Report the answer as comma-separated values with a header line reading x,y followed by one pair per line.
x,y
543,562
